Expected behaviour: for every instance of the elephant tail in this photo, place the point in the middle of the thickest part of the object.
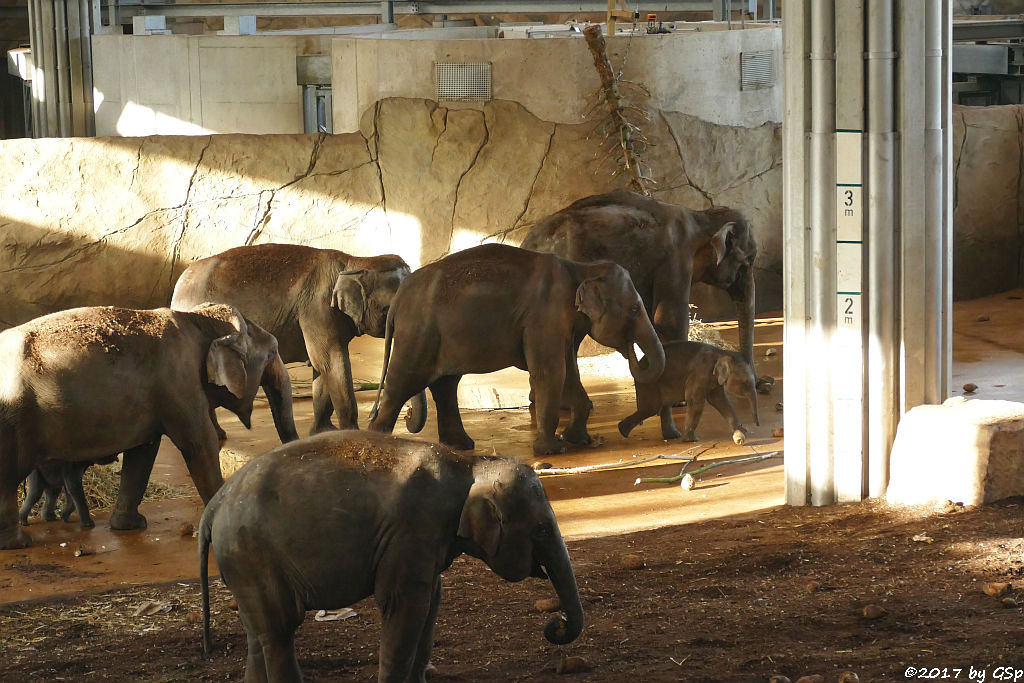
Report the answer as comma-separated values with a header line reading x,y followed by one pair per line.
x,y
205,536
389,335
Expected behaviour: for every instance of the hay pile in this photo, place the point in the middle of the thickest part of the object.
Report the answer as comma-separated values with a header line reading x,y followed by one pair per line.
x,y
101,482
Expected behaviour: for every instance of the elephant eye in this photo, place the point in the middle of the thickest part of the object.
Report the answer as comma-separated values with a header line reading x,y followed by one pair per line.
x,y
543,531
634,311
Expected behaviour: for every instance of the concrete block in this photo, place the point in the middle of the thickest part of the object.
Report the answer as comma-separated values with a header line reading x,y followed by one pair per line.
x,y
501,390
969,452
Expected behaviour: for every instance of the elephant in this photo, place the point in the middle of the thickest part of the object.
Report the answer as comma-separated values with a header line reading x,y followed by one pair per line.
x,y
403,511
496,306
82,384
696,372
665,248
314,301
50,479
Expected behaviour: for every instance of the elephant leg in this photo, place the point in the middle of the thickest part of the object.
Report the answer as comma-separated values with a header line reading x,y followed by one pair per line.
x,y
450,430
323,409
645,407
279,655
50,496
720,402
76,493
694,408
255,663
546,381
580,404
221,436
199,447
668,424
671,301
406,606
426,644
136,467
327,349
11,535
34,490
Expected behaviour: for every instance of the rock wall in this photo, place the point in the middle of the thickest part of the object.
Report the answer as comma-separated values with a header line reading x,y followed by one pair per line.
x,y
92,221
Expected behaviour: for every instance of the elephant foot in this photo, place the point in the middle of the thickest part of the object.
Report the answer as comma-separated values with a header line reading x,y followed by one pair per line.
x,y
549,445
625,427
66,515
14,539
48,516
87,523
689,436
329,427
23,520
577,437
127,521
458,442
673,433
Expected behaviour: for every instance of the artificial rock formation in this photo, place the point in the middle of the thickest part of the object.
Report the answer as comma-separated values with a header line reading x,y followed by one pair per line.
x,y
116,220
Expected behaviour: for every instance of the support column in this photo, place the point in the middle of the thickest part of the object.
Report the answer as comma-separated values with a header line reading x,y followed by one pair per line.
x,y
867,227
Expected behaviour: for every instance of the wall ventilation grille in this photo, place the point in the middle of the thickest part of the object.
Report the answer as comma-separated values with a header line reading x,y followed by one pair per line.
x,y
757,70
462,81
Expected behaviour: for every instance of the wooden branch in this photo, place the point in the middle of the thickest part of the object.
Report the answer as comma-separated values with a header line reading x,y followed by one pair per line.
x,y
616,107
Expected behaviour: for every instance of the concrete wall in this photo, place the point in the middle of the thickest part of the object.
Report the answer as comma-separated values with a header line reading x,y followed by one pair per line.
x,y
194,85
693,73
115,220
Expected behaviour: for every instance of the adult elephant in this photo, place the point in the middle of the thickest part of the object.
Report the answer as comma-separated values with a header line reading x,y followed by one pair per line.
x,y
665,248
86,383
313,300
496,306
419,506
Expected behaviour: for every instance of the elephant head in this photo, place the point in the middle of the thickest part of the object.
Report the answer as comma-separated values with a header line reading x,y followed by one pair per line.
x,y
243,360
508,523
733,373
728,264
364,291
618,318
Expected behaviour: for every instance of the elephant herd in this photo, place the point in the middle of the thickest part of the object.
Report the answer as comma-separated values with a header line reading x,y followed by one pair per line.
x,y
82,385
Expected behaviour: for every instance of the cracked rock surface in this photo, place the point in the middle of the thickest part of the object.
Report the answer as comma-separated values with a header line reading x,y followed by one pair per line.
x,y
89,221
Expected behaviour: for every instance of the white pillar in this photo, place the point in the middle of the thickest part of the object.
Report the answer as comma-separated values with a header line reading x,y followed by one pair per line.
x,y
867,222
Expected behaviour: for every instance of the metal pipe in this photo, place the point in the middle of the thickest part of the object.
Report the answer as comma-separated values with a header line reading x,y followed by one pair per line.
x,y
61,68
796,85
821,242
86,19
882,376
387,12
947,201
36,47
934,204
49,63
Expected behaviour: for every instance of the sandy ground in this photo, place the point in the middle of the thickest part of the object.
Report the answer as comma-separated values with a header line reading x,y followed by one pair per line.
x,y
726,593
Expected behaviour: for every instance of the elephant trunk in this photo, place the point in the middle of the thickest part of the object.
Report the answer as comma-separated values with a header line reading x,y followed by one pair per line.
x,y
417,416
555,558
742,293
278,388
653,363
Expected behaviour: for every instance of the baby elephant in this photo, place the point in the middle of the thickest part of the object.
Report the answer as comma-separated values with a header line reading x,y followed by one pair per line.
x,y
695,372
50,479
399,512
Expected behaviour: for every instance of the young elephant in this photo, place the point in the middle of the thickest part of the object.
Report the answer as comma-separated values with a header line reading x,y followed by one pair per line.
x,y
81,384
50,478
695,372
496,306
400,512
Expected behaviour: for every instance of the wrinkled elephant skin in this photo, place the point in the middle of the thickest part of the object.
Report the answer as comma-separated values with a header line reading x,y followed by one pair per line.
x,y
313,300
496,306
665,248
87,383
419,506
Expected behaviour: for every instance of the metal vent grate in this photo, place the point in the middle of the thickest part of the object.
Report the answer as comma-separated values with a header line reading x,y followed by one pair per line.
x,y
462,81
757,69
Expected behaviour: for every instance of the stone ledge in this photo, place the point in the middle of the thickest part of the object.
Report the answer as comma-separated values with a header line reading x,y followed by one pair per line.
x,y
966,451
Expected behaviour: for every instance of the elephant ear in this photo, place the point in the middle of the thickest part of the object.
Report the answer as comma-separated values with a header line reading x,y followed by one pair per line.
x,y
589,301
723,368
349,294
225,363
720,240
481,519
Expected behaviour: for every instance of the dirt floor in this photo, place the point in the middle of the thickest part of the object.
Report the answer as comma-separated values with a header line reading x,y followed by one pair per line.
x,y
732,586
